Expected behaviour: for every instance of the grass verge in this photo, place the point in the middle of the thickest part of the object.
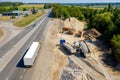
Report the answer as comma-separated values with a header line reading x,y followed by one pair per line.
x,y
4,18
1,33
40,6
27,6
22,22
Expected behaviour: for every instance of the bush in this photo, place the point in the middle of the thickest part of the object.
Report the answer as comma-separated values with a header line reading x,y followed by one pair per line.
x,y
26,15
13,16
116,47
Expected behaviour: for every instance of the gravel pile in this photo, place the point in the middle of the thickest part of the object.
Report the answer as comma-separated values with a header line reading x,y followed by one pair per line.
x,y
73,72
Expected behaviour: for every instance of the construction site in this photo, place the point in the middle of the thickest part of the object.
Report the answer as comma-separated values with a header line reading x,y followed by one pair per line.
x,y
72,53
74,42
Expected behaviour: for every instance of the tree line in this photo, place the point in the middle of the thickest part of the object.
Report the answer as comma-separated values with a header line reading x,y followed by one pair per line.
x,y
106,20
10,6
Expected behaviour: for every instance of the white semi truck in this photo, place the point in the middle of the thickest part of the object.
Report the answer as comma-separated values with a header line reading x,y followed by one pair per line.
x,y
31,54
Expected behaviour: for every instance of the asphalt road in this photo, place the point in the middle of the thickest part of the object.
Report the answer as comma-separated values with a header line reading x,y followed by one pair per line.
x,y
5,48
15,69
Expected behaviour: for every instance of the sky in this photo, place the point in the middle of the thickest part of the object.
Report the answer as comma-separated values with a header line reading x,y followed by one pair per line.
x,y
61,1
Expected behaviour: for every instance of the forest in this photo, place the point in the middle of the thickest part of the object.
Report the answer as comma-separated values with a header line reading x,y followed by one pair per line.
x,y
106,20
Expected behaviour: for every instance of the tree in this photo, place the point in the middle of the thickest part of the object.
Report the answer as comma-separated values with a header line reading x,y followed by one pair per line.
x,y
33,10
47,6
24,9
2,9
115,41
110,8
65,13
12,8
116,20
13,16
102,21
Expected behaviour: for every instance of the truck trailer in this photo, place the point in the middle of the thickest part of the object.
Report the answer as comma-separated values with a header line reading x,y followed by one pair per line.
x,y
31,54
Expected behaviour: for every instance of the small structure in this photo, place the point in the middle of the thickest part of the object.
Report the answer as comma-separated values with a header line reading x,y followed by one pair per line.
x,y
27,13
79,34
68,30
16,13
91,34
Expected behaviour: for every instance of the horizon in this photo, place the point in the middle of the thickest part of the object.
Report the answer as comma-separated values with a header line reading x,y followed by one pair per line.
x,y
62,1
65,2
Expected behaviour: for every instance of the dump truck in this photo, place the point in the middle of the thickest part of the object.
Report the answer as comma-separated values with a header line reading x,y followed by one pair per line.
x,y
31,54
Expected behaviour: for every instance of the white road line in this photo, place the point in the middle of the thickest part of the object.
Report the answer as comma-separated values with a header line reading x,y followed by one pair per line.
x,y
24,71
11,42
6,79
9,55
21,77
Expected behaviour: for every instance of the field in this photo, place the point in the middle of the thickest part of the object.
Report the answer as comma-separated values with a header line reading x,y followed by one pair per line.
x,y
28,7
4,18
39,6
22,22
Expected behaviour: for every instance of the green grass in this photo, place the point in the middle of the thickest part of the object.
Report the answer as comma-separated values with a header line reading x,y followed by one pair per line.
x,y
1,33
4,18
23,22
28,7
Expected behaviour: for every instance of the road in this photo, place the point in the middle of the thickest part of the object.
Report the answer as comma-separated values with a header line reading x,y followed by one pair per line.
x,y
14,69
5,48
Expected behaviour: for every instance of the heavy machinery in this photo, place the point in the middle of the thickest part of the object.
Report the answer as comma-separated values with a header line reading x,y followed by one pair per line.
x,y
69,48
79,46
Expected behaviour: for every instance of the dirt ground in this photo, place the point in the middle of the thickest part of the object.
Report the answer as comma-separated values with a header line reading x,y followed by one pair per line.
x,y
9,31
53,59
54,64
99,49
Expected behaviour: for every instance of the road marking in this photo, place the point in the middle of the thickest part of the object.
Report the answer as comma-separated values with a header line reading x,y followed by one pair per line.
x,y
21,77
6,79
4,59
24,71
11,42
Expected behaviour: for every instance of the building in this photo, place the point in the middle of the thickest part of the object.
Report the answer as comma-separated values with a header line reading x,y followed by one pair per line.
x,y
16,13
26,13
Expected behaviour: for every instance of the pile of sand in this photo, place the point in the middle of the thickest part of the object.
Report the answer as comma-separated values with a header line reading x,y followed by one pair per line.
x,y
74,23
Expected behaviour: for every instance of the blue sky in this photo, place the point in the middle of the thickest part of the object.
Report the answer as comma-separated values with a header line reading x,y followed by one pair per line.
x,y
62,1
